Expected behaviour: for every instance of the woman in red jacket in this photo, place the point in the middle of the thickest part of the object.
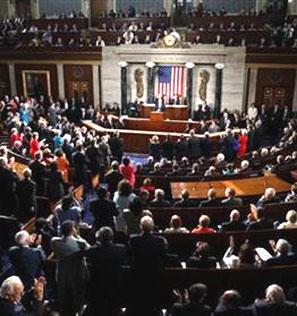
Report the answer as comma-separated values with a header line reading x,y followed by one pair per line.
x,y
34,144
127,170
243,143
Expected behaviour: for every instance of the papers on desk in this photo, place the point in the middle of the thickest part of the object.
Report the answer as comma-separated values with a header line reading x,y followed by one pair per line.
x,y
263,254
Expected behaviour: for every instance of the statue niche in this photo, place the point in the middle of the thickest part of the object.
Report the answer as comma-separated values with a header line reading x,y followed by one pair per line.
x,y
204,79
138,76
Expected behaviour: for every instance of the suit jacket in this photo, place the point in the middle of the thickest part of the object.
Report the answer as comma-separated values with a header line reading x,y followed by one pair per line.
x,y
148,252
260,225
232,201
157,106
190,309
26,191
103,211
223,310
209,203
27,263
106,262
232,226
38,175
281,260
112,179
265,309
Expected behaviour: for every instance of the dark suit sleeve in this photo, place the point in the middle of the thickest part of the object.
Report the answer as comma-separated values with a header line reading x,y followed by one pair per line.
x,y
177,310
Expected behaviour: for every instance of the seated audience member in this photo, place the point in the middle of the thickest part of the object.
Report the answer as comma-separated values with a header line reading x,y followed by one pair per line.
x,y
112,178
176,226
231,200
201,257
132,216
267,198
291,221
122,197
159,200
127,170
203,227
212,199
292,196
26,261
195,172
194,304
71,271
67,210
234,224
105,259
244,166
275,303
103,209
157,171
148,186
12,292
246,257
229,305
283,254
185,200
262,222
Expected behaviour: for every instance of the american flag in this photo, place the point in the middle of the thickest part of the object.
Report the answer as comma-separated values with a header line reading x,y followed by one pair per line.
x,y
171,81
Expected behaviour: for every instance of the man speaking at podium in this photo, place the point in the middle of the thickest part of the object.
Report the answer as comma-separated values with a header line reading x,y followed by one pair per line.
x,y
160,103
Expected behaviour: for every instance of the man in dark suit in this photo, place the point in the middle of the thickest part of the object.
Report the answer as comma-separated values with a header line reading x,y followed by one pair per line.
x,y
160,104
106,260
159,200
212,199
26,191
275,303
195,305
26,261
185,200
231,200
103,210
262,222
113,177
148,255
229,305
38,173
282,255
8,181
234,224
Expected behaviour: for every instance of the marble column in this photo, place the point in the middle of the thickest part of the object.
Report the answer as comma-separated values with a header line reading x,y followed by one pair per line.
x,y
252,85
35,9
86,8
111,5
294,106
151,71
124,90
61,83
96,86
261,5
11,70
168,6
292,8
4,8
190,89
11,8
218,93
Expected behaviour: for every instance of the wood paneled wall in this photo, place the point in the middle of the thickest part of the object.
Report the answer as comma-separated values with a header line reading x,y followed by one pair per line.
x,y
274,79
78,74
52,69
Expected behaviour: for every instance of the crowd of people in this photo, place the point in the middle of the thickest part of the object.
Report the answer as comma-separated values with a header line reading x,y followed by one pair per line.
x,y
48,136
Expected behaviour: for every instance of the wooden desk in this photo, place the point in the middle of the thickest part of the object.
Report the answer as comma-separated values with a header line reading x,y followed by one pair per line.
x,y
248,186
136,141
173,112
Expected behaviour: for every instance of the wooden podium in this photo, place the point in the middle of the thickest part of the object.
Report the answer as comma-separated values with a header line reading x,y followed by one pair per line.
x,y
158,116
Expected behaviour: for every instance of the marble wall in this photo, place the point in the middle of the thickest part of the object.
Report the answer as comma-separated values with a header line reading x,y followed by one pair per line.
x,y
203,56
